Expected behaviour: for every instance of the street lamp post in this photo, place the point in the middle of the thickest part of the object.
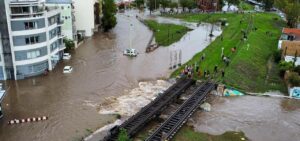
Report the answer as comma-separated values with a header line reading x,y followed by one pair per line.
x,y
222,52
130,28
168,33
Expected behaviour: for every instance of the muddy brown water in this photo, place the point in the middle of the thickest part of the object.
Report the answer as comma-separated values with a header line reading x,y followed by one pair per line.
x,y
71,100
261,118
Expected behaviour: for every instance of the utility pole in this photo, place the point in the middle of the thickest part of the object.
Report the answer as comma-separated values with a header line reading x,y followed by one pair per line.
x,y
168,33
130,34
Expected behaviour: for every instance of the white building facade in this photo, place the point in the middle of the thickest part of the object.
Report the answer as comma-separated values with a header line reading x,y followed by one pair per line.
x,y
34,36
87,22
67,15
2,66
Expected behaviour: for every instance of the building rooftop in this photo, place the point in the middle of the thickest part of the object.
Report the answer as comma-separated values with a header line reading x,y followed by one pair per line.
x,y
292,32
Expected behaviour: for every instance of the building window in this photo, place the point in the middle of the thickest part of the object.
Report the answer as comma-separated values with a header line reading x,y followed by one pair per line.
x,y
18,10
62,7
32,40
52,20
52,33
30,25
33,54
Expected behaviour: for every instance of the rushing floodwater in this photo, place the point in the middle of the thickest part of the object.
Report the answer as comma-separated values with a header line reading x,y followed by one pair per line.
x,y
261,118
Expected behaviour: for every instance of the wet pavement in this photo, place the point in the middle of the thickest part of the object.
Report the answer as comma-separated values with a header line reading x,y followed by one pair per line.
x,y
260,118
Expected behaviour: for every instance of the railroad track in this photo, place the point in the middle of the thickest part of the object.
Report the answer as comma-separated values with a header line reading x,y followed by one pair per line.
x,y
152,110
169,128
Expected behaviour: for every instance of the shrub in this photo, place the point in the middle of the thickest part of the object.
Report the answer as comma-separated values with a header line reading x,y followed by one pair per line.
x,y
277,56
297,69
123,136
284,66
294,79
69,44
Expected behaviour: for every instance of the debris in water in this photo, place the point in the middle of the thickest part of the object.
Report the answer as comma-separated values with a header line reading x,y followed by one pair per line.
x,y
206,107
232,92
131,103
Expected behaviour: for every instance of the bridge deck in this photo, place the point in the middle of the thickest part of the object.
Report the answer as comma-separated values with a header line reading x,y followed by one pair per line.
x,y
153,109
170,127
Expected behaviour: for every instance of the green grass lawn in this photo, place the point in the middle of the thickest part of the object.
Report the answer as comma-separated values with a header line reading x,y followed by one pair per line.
x,y
188,134
248,69
166,34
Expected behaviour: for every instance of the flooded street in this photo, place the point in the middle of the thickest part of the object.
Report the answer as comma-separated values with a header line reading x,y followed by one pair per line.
x,y
71,100
260,118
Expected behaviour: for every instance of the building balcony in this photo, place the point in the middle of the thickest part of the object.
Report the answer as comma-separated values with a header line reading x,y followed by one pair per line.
x,y
23,2
27,15
29,31
60,35
62,47
32,61
60,22
30,46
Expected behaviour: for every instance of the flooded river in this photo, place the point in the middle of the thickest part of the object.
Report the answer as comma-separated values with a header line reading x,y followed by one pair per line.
x,y
260,118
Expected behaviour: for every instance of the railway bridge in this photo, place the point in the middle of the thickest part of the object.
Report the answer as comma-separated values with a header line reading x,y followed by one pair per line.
x,y
170,127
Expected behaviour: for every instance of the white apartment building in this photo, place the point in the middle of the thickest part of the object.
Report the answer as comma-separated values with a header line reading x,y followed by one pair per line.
x,y
32,37
2,67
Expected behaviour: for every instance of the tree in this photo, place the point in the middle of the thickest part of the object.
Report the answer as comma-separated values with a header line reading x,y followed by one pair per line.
x,y
291,8
191,4
109,20
123,135
152,5
121,6
139,3
268,4
173,5
184,4
164,4
69,43
233,2
221,4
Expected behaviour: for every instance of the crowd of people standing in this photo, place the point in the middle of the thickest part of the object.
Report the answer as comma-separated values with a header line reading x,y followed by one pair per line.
x,y
194,70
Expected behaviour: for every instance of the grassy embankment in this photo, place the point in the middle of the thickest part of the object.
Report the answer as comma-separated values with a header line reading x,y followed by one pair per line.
x,y
166,34
249,69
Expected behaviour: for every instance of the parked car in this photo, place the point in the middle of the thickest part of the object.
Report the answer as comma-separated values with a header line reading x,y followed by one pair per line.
x,y
66,56
68,69
130,52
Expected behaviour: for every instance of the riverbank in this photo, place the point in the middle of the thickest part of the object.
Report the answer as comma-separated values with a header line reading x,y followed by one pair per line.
x,y
247,69
166,34
188,134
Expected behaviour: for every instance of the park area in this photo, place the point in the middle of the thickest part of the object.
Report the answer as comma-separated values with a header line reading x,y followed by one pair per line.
x,y
249,40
